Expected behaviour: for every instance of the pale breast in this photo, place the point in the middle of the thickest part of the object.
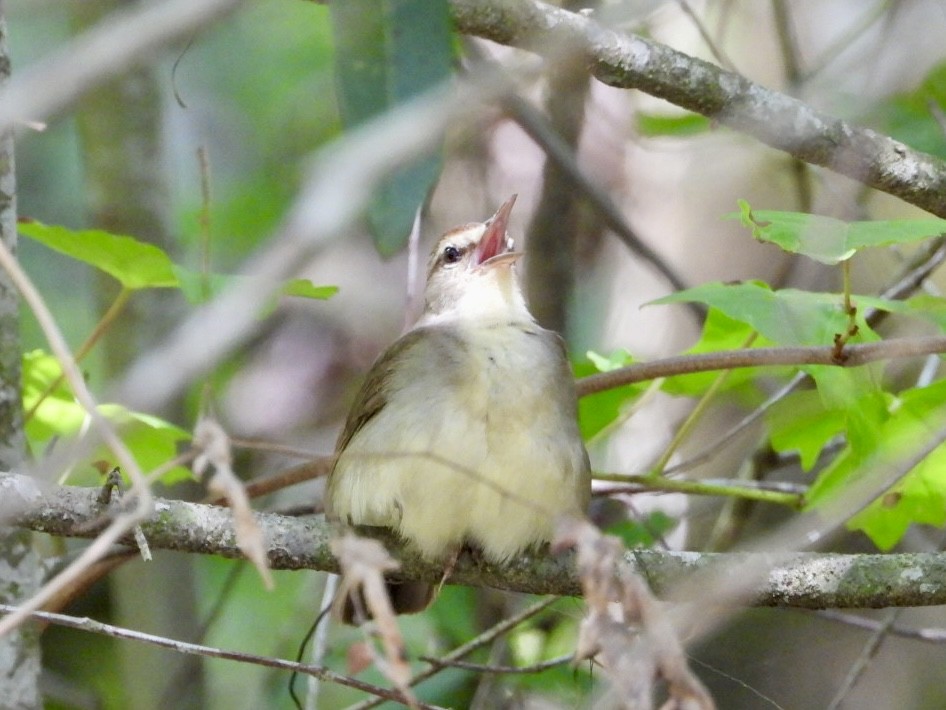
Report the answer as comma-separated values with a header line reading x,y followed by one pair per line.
x,y
479,443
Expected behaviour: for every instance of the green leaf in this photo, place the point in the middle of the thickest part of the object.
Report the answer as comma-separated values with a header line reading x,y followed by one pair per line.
x,y
920,496
598,411
923,305
908,118
678,125
801,423
303,288
858,394
785,317
135,264
387,52
607,363
151,440
643,533
199,288
830,240
720,332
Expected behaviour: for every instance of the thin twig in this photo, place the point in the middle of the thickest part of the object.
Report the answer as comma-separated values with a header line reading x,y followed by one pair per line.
x,y
929,635
694,416
854,356
716,50
650,483
789,46
105,322
867,654
853,33
556,149
264,485
484,639
92,626
273,447
124,521
507,670
320,638
721,442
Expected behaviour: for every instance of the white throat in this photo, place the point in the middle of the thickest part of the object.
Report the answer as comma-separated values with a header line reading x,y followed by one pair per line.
x,y
485,299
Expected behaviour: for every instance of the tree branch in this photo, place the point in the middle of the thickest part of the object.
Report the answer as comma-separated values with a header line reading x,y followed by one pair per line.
x,y
632,62
853,356
806,580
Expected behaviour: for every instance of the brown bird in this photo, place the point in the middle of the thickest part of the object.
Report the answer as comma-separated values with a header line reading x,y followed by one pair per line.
x,y
465,429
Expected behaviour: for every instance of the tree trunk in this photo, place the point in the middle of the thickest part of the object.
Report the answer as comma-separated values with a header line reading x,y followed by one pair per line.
x,y
19,650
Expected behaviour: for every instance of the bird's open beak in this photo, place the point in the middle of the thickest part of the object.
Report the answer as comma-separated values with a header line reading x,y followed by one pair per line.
x,y
495,247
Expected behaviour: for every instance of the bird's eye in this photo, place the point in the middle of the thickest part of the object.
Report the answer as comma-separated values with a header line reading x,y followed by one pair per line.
x,y
451,254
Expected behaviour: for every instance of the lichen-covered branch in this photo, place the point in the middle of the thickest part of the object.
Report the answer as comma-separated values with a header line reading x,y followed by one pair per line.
x,y
632,62
807,580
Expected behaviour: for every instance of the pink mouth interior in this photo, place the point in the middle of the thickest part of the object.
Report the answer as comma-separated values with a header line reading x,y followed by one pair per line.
x,y
494,242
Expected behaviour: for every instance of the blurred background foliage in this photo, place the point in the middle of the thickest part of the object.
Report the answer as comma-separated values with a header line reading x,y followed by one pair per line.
x,y
257,92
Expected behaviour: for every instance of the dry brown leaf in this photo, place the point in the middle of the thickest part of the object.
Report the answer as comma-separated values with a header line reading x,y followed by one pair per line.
x,y
364,562
213,445
625,627
360,655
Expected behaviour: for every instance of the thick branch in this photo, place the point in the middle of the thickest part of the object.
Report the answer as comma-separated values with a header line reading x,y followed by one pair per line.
x,y
808,580
632,62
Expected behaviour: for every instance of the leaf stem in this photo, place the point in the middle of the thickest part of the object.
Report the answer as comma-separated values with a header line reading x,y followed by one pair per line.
x,y
649,482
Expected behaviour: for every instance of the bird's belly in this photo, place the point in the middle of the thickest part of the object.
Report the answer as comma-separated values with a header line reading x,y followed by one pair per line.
x,y
484,459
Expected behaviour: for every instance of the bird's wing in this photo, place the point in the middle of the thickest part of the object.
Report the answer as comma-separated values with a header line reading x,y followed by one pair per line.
x,y
371,397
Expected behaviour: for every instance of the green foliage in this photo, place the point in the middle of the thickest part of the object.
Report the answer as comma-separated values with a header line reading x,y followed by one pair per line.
x,y
720,332
598,411
199,288
653,125
59,417
139,265
55,413
135,264
849,409
908,118
800,423
901,432
387,52
643,533
784,317
830,240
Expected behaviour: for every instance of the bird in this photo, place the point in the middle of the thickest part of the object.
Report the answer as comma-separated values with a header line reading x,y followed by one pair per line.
x,y
465,431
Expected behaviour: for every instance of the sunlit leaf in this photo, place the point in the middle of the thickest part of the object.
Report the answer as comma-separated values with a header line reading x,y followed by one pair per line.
x,y
151,440
784,317
303,288
720,332
800,423
831,240
134,263
677,125
920,495
199,288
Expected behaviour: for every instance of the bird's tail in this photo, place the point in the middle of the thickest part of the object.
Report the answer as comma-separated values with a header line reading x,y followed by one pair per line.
x,y
406,598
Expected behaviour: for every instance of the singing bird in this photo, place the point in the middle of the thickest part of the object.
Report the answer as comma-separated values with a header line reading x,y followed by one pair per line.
x,y
465,430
